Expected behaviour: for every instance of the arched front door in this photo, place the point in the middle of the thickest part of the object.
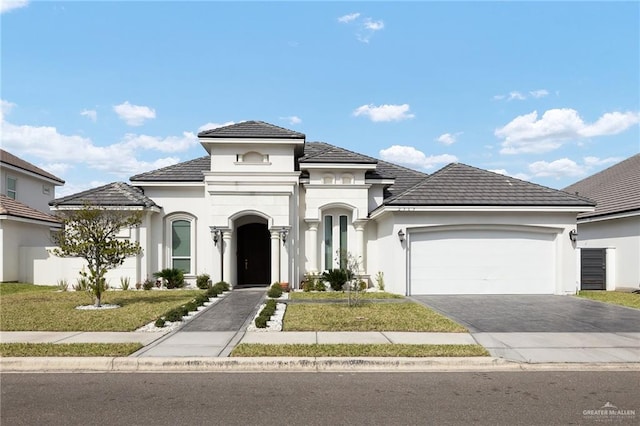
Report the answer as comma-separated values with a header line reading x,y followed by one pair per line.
x,y
254,254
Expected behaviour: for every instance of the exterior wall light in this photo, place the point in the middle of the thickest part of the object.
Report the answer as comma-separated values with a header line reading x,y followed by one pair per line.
x,y
573,235
401,236
283,235
216,234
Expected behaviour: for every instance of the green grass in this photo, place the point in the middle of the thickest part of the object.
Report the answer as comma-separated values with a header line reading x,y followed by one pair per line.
x,y
340,295
366,317
40,310
67,349
353,350
630,300
13,288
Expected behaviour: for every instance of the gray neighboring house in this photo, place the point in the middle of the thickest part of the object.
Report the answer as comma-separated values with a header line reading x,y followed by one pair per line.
x,y
25,219
609,236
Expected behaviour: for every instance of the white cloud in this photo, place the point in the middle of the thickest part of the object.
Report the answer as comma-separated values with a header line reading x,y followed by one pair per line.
x,y
519,96
211,126
134,115
373,25
345,19
167,144
292,119
365,27
558,168
384,112
410,156
595,161
541,93
7,5
516,95
528,134
448,138
91,114
5,108
73,188
521,176
56,168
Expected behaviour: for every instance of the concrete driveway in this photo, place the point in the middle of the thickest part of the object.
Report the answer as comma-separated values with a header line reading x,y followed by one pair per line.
x,y
540,328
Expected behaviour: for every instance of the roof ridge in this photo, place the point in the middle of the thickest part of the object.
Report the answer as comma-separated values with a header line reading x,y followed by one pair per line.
x,y
413,187
601,172
330,146
134,177
15,161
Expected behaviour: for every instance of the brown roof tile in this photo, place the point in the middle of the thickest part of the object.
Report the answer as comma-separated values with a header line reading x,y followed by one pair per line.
x,y
8,158
11,207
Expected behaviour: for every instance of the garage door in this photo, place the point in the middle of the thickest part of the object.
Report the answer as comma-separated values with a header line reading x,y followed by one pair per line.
x,y
482,262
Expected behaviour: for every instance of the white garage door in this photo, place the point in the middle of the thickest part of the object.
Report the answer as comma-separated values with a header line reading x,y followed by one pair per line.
x,y
482,262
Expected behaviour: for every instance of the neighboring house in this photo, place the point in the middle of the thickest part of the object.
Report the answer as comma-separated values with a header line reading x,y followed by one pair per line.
x,y
609,237
25,193
264,205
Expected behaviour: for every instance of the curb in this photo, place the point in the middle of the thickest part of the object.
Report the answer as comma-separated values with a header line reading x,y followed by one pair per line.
x,y
129,364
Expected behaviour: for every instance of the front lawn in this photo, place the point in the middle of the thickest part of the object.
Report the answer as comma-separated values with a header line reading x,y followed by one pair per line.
x,y
68,349
366,317
31,308
340,295
631,300
348,350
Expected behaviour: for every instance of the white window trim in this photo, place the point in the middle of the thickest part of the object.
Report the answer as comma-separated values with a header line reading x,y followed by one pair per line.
x,y
335,238
169,240
15,190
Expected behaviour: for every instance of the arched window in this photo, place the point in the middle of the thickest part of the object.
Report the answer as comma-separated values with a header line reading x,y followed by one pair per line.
x,y
181,245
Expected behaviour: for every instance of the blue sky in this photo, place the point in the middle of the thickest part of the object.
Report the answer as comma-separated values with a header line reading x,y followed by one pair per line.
x,y
98,92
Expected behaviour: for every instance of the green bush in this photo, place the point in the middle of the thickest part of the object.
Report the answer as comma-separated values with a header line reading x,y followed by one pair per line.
x,y
202,281
201,299
275,291
191,306
147,284
307,286
174,315
160,323
174,277
212,292
125,282
261,322
221,286
336,278
320,286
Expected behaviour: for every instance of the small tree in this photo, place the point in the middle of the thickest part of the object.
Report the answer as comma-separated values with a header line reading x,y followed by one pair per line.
x,y
90,233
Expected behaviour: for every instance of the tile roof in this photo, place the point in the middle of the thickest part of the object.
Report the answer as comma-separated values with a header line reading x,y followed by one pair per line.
x,y
321,152
188,171
113,194
8,158
615,189
462,185
11,207
251,129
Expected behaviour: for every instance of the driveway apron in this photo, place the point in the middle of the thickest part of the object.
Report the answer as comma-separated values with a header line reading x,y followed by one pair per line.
x,y
544,328
215,331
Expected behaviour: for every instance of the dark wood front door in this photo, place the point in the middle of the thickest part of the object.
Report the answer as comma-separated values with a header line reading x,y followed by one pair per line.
x,y
593,269
254,254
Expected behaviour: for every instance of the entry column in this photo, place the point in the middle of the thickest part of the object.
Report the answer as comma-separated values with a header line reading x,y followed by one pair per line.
x,y
312,245
226,256
275,256
359,225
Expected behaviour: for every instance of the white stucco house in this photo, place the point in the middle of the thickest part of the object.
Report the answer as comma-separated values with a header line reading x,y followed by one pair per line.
x,y
609,236
25,219
264,205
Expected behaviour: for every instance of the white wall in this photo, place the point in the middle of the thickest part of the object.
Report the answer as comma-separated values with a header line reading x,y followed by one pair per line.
x,y
623,234
14,235
391,256
29,188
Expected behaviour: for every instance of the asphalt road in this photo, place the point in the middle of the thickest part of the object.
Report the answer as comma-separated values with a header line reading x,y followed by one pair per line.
x,y
495,398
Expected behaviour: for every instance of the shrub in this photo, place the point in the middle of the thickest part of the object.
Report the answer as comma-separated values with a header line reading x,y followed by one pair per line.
x,y
222,286
138,286
160,323
125,282
212,292
63,285
261,322
380,280
191,306
320,286
82,284
174,277
147,284
202,281
307,286
201,299
336,278
174,315
275,291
